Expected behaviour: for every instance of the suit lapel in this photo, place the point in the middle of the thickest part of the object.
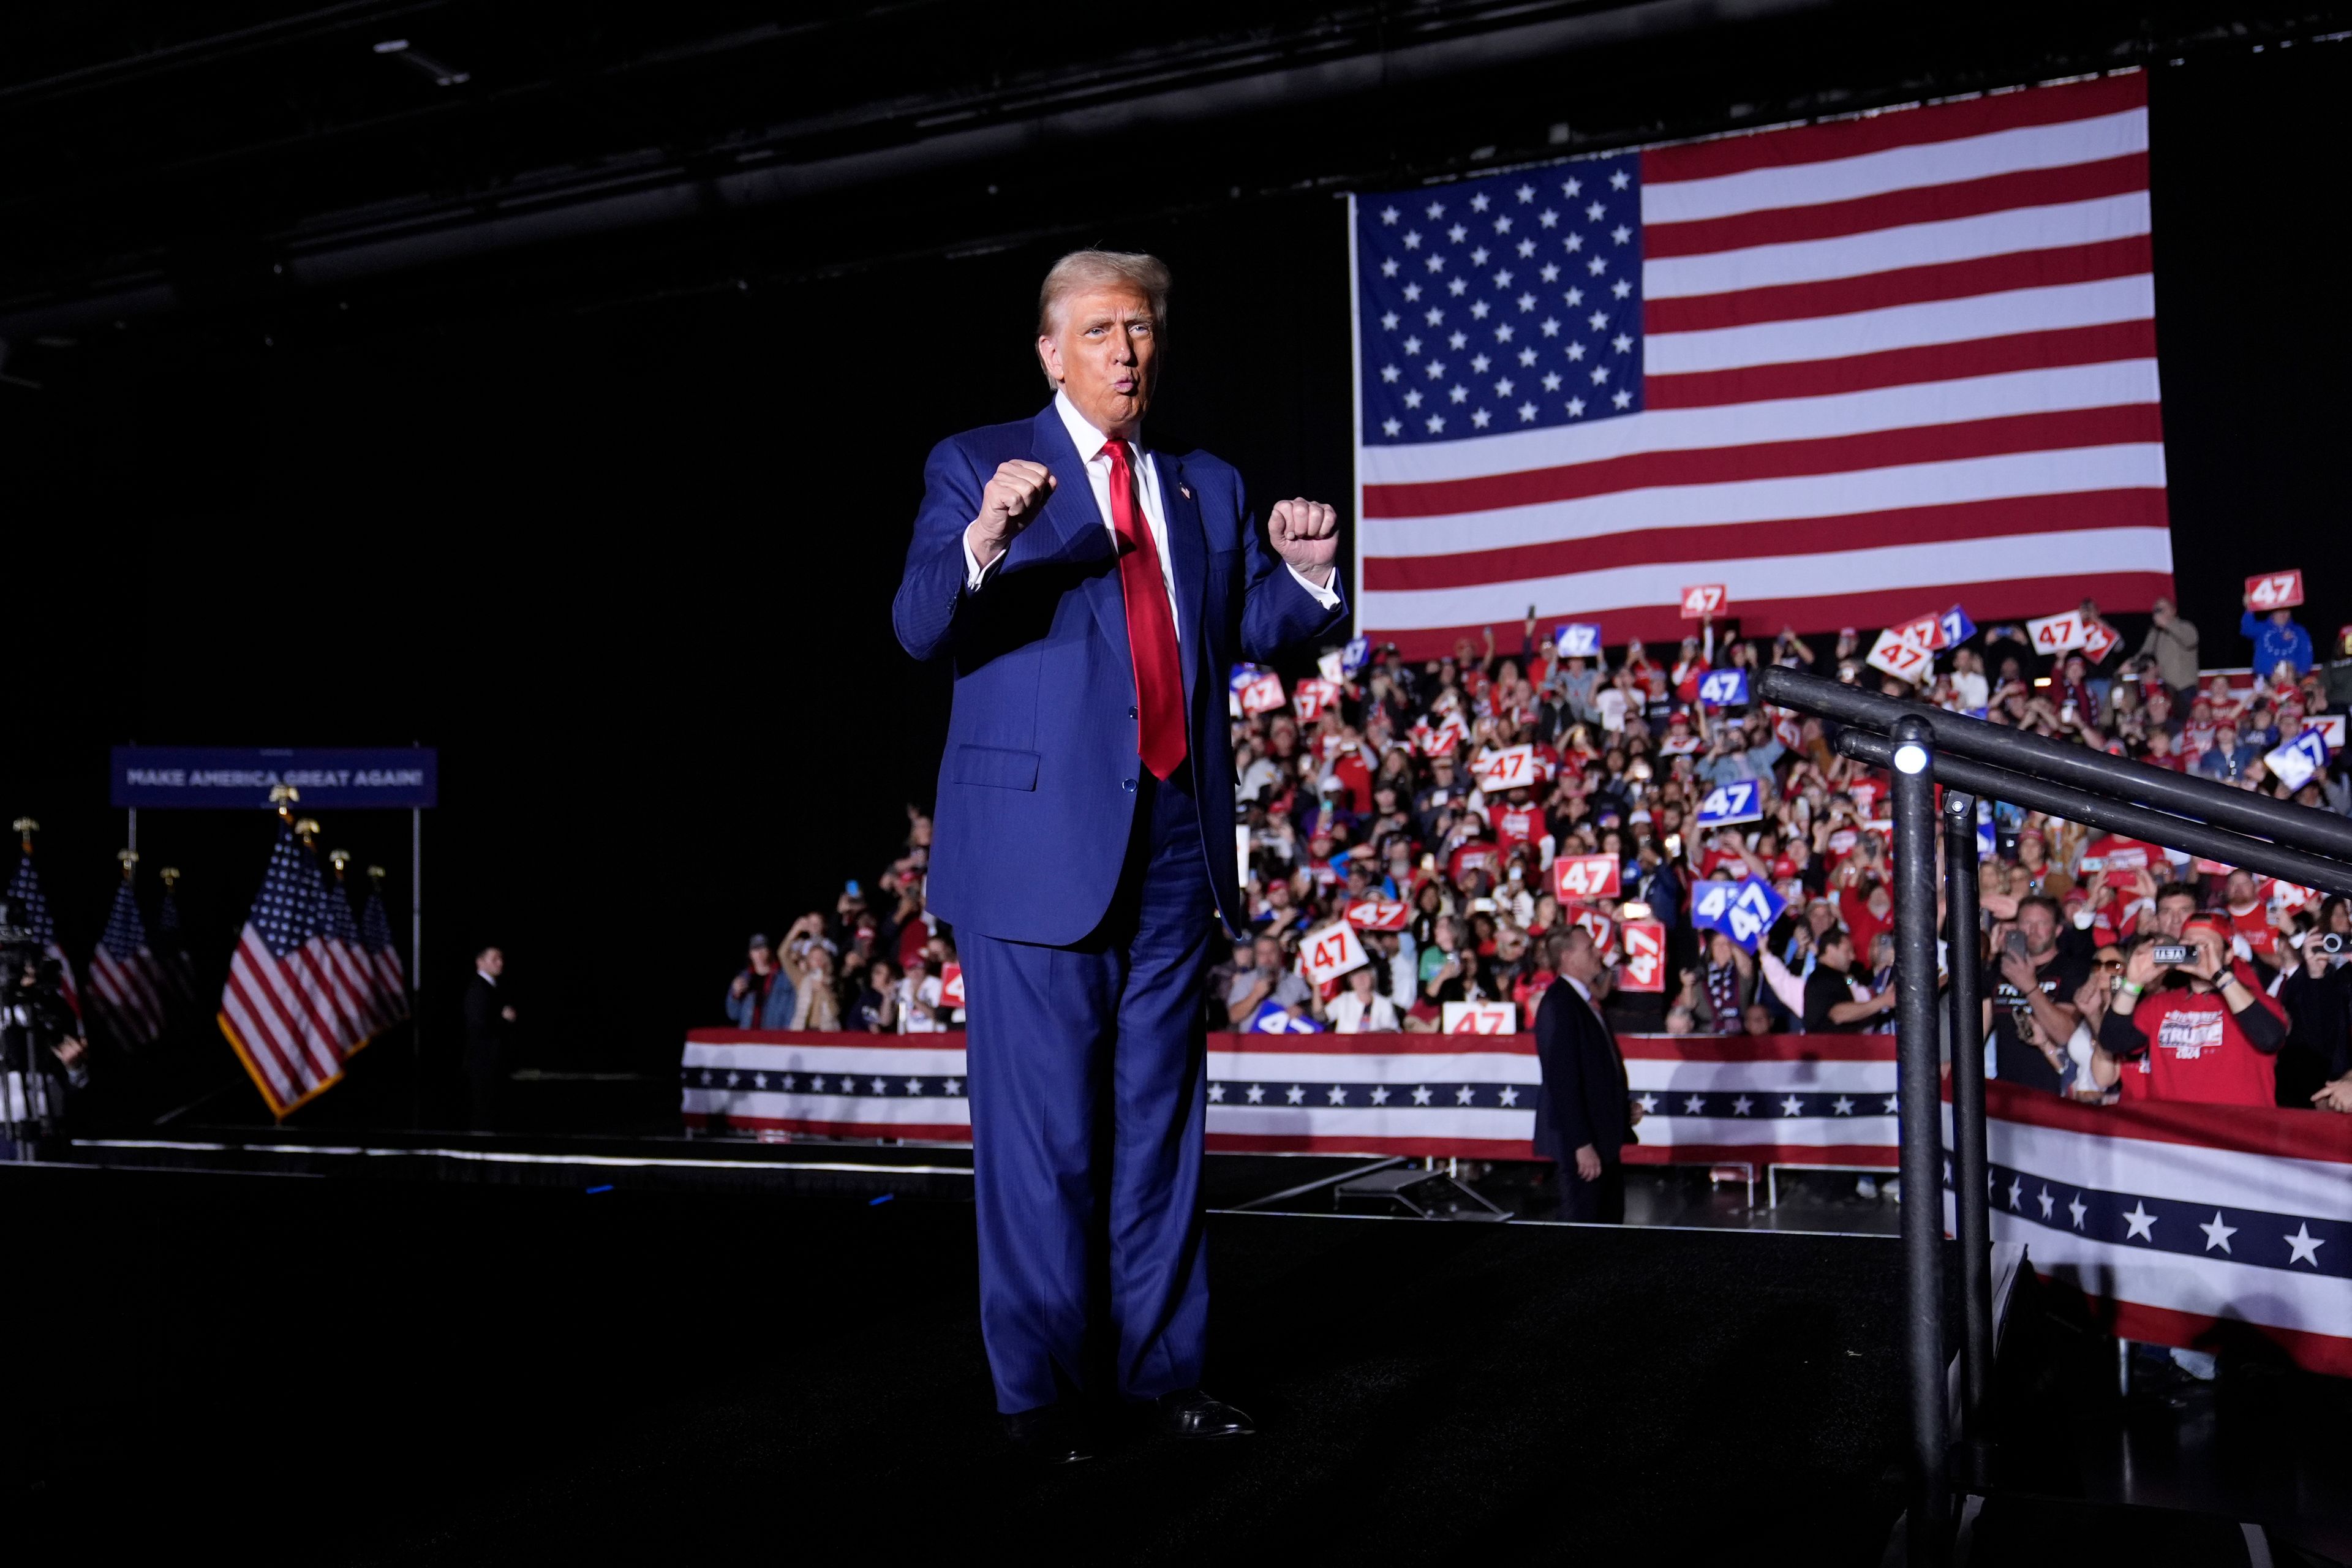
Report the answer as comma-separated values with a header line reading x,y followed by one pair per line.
x,y
1188,557
1070,512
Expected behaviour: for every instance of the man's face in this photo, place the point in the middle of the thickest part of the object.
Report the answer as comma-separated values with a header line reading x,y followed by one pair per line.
x,y
1278,896
1755,1020
2041,932
1268,952
2172,915
1105,355
491,962
762,959
1244,955
2241,890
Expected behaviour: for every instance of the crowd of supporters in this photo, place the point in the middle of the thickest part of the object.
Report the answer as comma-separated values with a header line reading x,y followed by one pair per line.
x,y
1376,801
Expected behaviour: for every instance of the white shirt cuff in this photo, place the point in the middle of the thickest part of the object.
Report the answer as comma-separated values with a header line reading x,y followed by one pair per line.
x,y
974,574
1327,597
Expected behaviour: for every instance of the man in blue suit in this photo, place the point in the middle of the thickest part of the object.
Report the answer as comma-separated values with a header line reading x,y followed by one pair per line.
x,y
1092,595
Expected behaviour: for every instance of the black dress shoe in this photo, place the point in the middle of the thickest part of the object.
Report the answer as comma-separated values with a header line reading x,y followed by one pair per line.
x,y
1189,1412
1050,1435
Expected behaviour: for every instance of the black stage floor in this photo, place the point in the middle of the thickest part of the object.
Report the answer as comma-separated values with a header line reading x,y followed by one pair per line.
x,y
297,1369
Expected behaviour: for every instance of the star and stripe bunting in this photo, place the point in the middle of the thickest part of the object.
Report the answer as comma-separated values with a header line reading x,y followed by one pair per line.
x,y
2190,1224
1791,1101
1847,370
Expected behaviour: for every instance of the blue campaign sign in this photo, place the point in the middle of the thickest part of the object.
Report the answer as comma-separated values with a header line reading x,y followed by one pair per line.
x,y
1741,910
1243,675
1272,1018
1355,654
1738,801
241,777
1578,639
1723,687
1958,628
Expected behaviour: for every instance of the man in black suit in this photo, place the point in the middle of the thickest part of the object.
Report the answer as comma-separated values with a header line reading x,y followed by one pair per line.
x,y
489,1040
1584,1114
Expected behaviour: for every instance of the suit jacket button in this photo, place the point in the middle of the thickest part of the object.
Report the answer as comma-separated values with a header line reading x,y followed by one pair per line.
x,y
1131,713
1126,784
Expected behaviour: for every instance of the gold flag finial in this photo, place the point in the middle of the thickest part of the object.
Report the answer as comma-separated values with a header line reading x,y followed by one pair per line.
x,y
171,875
283,796
25,828
308,829
129,857
338,857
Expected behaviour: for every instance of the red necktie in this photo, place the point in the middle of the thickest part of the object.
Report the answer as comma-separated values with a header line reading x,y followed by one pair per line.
x,y
1150,626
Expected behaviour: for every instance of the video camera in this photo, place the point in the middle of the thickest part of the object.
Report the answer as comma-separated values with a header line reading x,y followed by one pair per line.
x,y
34,1019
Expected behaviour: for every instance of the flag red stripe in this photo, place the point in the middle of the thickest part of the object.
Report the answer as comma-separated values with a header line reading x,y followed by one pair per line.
x,y
2128,591
1900,367
259,1054
2048,432
285,985
260,1027
1896,128
1891,209
2122,257
2019,517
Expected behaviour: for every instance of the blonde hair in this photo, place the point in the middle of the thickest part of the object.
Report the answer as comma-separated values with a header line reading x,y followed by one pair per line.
x,y
1083,269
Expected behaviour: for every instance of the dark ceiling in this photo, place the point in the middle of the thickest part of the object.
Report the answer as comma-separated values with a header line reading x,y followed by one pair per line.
x,y
206,157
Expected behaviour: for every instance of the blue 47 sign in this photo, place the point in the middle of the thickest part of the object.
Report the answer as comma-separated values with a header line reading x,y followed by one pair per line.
x,y
1741,800
1741,910
1723,687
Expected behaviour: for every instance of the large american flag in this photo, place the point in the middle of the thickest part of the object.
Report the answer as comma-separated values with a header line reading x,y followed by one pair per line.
x,y
1852,371
32,909
352,977
278,1009
127,980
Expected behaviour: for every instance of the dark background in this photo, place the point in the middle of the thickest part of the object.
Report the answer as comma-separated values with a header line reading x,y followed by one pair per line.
x,y
342,407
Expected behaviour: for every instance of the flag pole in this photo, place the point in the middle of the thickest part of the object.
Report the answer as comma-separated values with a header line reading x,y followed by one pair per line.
x,y
417,966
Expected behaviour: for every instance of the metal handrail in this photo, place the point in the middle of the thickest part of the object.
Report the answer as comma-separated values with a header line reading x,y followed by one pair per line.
x,y
2202,800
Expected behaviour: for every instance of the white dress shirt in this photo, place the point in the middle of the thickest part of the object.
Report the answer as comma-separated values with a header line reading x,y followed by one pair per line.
x,y
1092,445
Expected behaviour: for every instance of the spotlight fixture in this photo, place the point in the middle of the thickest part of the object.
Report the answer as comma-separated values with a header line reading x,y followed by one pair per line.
x,y
1911,757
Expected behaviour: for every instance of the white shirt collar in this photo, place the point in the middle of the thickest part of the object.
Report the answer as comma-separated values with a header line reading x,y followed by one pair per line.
x,y
488,975
1577,986
1088,440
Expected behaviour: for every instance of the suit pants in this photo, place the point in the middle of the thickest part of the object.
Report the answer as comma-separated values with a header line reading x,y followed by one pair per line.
x,y
1592,1202
1087,1077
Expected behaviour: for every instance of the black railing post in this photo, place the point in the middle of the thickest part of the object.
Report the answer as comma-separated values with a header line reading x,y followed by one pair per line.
x,y
1970,1222
1923,1140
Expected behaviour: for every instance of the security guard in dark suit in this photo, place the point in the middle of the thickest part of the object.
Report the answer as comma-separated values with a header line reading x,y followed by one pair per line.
x,y
1584,1112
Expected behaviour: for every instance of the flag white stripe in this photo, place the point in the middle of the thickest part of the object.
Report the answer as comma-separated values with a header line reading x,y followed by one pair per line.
x,y
1768,1126
1903,168
268,1048
1667,1078
2111,384
292,985
2013,231
286,1022
1829,575
2209,1287
2007,476
936,1111
865,1061
2016,311
1279,1068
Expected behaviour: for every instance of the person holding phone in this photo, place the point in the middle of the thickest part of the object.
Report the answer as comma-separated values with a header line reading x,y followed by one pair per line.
x,y
2214,1041
2029,1008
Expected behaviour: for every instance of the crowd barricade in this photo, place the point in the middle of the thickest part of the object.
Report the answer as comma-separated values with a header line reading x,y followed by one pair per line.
x,y
2203,1227
1804,1100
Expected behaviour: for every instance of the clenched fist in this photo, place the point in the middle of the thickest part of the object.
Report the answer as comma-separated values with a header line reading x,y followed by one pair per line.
x,y
1306,534
1011,501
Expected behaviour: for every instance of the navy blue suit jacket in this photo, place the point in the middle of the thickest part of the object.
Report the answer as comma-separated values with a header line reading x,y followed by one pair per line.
x,y
1038,787
1583,1095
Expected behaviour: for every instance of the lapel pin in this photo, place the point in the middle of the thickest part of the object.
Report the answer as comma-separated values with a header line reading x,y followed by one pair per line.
x,y
1184,489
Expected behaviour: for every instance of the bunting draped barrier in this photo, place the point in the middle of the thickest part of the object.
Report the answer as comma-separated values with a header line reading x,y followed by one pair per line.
x,y
2205,1226
1789,1100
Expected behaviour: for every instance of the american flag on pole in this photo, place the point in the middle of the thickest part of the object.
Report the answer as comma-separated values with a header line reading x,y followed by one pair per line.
x,y
383,958
1851,372
33,913
127,980
278,1009
172,942
352,976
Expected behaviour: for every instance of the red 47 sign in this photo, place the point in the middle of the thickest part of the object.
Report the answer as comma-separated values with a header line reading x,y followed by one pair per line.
x,y
1330,953
1705,602
1513,767
1644,968
951,985
1579,877
2099,639
1478,1018
1596,925
2274,590
1902,660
